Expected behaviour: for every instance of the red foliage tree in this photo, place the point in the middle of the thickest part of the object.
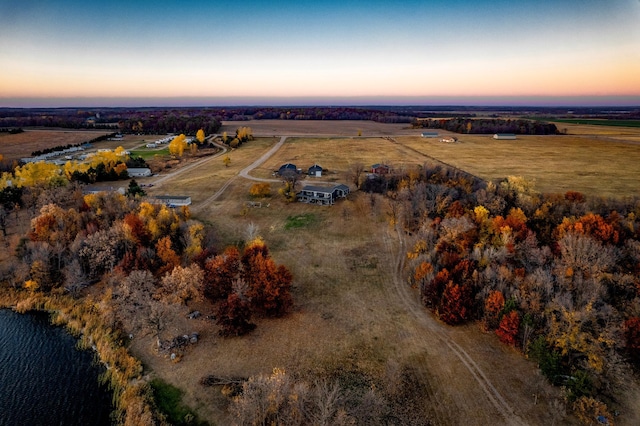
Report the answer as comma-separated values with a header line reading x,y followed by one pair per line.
x,y
234,316
455,304
138,230
220,272
632,337
508,329
432,292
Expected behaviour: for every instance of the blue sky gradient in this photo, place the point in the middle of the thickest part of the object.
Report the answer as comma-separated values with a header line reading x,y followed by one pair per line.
x,y
327,52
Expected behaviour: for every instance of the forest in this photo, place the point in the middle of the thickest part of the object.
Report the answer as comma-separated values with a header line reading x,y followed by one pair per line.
x,y
488,126
553,275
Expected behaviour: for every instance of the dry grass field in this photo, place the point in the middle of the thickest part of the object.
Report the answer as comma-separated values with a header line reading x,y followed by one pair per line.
x,y
319,128
593,165
20,145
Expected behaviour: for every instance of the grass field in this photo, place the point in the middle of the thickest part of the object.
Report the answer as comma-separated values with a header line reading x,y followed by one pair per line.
x,y
594,122
14,147
148,153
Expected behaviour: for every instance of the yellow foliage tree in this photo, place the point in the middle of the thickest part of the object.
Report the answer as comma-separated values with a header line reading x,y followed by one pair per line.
x,y
200,136
226,160
260,189
178,145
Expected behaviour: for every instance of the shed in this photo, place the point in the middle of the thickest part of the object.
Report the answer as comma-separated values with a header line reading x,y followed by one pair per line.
x,y
139,171
380,169
429,134
315,170
505,136
172,200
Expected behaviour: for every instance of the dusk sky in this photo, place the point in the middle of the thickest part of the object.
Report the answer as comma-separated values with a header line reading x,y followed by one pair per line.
x,y
110,53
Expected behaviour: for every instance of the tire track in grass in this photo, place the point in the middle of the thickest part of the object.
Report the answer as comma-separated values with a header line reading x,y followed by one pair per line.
x,y
409,302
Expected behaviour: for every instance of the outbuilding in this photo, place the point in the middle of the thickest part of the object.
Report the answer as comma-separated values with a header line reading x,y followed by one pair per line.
x,y
139,171
429,134
380,169
172,200
315,170
287,168
505,136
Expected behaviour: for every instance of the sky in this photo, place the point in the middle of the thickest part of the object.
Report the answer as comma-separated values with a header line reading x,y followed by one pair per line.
x,y
352,52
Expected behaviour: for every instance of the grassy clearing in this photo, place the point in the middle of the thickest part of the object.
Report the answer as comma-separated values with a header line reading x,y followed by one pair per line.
x,y
300,221
169,400
150,153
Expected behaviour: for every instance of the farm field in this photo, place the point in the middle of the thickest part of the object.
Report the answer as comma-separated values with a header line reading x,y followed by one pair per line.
x,y
319,128
591,165
20,145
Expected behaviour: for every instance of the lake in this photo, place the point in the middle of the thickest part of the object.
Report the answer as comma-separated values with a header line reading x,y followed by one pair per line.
x,y
44,379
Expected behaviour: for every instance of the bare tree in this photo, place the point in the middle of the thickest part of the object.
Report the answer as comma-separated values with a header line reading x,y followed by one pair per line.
x,y
355,173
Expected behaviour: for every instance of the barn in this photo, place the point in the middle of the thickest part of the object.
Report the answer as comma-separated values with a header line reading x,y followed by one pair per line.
x,y
429,134
380,169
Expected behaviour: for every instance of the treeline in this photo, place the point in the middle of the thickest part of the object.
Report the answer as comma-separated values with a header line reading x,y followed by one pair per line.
x,y
11,131
161,122
488,126
554,275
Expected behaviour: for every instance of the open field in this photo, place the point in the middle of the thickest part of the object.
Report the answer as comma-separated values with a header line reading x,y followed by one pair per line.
x,y
556,163
20,145
596,122
319,128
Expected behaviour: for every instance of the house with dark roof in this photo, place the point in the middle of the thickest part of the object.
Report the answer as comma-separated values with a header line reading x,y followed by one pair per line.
x,y
324,196
429,134
287,168
315,170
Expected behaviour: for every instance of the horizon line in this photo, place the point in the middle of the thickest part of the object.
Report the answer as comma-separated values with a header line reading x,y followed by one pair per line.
x,y
584,101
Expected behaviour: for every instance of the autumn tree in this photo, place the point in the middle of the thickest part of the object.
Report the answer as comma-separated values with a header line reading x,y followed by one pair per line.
x,y
200,136
455,304
632,338
508,329
226,161
234,316
220,272
260,190
182,284
178,145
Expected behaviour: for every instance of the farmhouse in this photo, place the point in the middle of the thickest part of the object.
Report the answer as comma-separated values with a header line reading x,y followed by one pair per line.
x,y
504,136
172,200
429,134
324,196
139,171
315,170
380,169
